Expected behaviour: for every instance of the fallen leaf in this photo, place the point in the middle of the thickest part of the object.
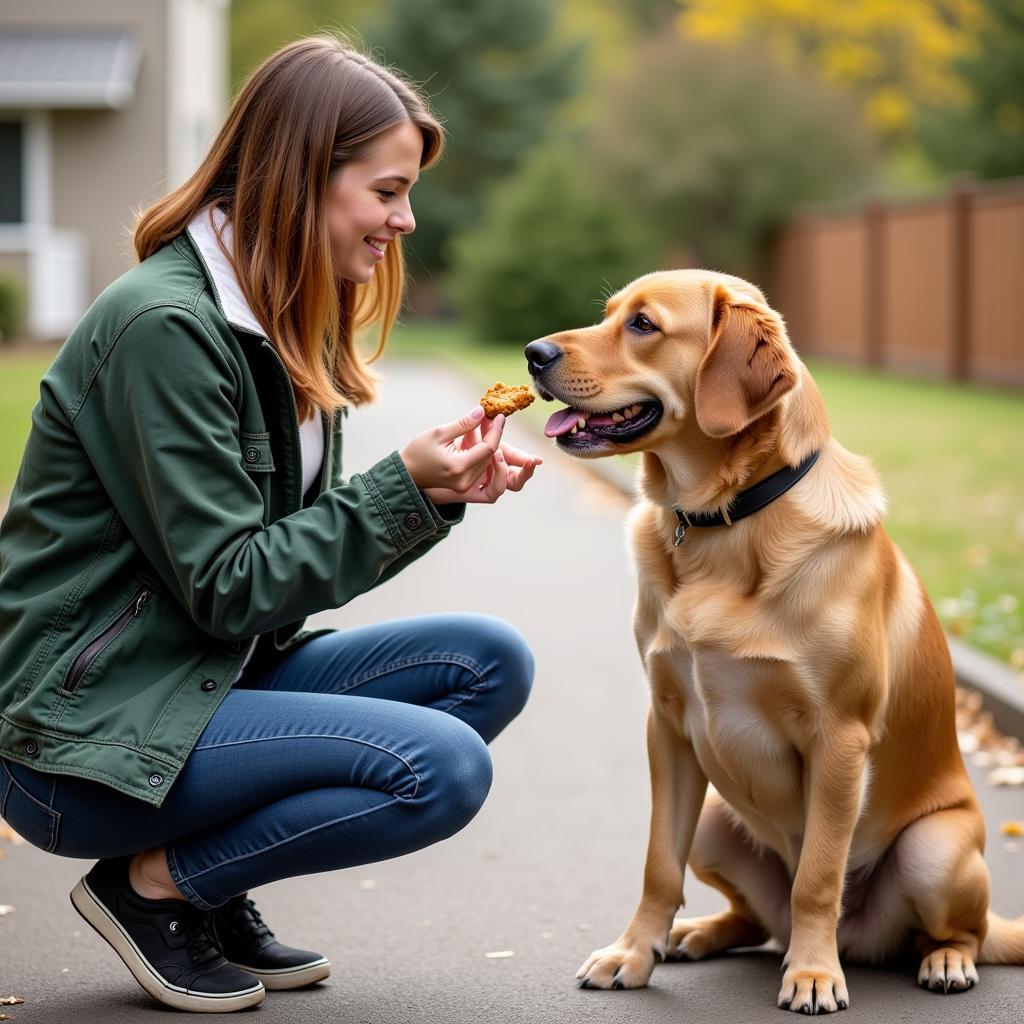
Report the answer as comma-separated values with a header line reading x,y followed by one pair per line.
x,y
10,1000
1007,776
500,954
1012,828
5,908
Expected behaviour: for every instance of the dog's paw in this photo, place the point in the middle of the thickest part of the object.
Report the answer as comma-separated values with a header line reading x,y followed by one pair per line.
x,y
813,990
693,938
947,970
618,967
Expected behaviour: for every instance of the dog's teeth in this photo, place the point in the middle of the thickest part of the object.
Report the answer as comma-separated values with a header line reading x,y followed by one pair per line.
x,y
628,413
581,423
635,410
574,429
617,417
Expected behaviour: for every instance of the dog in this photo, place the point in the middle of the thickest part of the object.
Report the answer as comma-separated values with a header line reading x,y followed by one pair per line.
x,y
794,660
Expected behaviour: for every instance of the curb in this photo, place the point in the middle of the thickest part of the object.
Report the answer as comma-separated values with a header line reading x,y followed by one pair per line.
x,y
1002,693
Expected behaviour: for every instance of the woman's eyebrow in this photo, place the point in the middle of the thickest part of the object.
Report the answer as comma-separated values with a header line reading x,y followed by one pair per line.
x,y
393,177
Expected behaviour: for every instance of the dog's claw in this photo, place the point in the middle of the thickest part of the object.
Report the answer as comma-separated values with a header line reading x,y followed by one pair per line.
x,y
584,983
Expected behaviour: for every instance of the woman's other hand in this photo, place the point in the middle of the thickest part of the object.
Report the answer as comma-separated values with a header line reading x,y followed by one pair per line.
x,y
464,461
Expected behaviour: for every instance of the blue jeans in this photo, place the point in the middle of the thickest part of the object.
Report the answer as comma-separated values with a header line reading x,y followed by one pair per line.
x,y
359,746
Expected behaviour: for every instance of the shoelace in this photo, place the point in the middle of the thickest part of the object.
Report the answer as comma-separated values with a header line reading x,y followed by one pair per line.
x,y
243,906
200,939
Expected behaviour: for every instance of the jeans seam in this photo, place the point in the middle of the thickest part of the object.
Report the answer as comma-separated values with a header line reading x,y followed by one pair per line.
x,y
298,835
325,736
181,881
421,659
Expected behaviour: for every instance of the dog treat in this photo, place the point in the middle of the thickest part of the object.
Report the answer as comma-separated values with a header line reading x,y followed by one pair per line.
x,y
506,399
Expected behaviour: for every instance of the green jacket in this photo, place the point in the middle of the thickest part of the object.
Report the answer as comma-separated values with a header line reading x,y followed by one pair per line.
x,y
157,525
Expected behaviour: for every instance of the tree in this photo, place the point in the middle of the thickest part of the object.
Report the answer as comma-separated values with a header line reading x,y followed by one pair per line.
x,y
985,133
259,27
717,145
890,55
494,74
549,248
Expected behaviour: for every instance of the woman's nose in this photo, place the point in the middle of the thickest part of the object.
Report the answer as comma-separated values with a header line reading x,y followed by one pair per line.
x,y
403,220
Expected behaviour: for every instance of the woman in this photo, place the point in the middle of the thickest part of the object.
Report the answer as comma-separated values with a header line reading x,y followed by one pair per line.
x,y
179,512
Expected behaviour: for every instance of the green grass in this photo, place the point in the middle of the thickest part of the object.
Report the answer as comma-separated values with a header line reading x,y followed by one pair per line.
x,y
21,369
951,462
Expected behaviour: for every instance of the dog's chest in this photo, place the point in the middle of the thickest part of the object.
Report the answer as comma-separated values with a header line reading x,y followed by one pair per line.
x,y
738,718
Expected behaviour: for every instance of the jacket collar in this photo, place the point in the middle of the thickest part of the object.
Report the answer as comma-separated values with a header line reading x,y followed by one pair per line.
x,y
203,231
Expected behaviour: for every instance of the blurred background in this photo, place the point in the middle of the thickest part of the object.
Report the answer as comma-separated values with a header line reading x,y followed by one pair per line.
x,y
862,162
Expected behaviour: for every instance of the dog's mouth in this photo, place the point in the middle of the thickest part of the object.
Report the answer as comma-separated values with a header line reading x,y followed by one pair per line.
x,y
577,429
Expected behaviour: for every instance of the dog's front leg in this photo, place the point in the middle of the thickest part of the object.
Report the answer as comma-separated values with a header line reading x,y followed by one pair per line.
x,y
814,981
677,792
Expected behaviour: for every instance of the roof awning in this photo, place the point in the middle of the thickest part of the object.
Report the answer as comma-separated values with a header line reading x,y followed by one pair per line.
x,y
63,68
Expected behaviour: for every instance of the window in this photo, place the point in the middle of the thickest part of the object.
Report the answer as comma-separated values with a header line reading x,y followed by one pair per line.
x,y
12,167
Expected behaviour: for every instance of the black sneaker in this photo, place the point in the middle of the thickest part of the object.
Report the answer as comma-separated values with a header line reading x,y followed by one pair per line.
x,y
167,944
249,944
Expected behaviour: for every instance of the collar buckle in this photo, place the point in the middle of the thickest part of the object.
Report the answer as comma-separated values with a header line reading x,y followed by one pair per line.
x,y
681,526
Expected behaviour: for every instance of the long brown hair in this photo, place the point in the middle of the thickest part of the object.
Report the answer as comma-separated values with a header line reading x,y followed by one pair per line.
x,y
308,109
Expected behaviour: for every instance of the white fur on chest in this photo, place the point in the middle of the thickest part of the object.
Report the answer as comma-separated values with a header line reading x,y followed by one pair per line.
x,y
744,753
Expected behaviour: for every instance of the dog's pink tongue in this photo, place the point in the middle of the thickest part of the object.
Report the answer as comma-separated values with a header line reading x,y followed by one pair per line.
x,y
561,423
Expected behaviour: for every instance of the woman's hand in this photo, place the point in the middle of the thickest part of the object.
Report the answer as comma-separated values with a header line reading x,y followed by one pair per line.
x,y
455,463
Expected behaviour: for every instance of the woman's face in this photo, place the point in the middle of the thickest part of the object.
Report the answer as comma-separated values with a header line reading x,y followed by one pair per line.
x,y
368,201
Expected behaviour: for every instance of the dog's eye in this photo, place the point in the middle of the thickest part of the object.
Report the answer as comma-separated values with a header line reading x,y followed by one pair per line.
x,y
643,324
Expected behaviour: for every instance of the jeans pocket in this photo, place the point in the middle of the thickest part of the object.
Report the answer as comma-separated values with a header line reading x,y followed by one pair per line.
x,y
29,813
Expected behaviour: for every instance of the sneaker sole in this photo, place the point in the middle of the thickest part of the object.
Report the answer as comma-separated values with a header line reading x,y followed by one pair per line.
x,y
91,908
281,978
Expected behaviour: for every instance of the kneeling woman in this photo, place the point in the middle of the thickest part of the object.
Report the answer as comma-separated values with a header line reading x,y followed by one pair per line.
x,y
180,510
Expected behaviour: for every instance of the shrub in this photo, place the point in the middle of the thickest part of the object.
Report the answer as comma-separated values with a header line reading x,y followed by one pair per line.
x,y
12,305
546,253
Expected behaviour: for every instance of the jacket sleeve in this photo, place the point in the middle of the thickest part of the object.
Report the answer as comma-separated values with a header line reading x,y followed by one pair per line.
x,y
160,425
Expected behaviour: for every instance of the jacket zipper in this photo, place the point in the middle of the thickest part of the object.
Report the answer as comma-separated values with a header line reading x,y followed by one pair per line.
x,y
86,658
297,473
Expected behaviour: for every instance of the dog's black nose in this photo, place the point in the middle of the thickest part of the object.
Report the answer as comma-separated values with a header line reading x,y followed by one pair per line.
x,y
541,354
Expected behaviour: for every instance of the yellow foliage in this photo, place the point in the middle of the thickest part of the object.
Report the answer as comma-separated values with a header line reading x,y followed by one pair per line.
x,y
890,54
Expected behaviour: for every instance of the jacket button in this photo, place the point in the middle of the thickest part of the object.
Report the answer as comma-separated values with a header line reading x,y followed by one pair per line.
x,y
32,748
252,455
155,780
209,684
413,521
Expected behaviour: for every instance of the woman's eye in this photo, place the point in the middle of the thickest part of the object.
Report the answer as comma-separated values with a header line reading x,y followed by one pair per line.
x,y
642,323
386,193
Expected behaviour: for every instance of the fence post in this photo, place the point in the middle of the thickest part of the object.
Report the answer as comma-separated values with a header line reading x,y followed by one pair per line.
x,y
960,283
874,224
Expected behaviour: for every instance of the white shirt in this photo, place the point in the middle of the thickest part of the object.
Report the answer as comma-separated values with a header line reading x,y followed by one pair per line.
x,y
202,230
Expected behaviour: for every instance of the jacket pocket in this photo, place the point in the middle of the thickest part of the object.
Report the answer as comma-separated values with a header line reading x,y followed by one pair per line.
x,y
95,647
30,816
256,454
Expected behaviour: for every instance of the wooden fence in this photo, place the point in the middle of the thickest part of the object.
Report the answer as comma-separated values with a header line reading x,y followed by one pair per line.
x,y
931,287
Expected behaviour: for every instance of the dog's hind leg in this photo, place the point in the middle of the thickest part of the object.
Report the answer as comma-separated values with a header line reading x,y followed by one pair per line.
x,y
941,869
753,879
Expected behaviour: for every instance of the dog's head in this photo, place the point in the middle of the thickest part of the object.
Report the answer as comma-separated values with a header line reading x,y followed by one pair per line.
x,y
674,348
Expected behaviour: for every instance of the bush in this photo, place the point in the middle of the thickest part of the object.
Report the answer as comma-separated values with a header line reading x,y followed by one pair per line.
x,y
718,145
547,252
12,305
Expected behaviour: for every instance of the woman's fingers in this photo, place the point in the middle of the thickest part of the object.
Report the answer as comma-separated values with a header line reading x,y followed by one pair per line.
x,y
483,451
495,487
463,425
517,457
517,478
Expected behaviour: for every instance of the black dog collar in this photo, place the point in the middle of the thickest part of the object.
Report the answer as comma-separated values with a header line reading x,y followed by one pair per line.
x,y
746,502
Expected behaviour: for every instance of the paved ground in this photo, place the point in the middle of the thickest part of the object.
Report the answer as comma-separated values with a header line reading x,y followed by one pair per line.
x,y
550,868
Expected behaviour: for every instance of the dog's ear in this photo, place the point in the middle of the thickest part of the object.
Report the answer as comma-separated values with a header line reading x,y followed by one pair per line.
x,y
747,368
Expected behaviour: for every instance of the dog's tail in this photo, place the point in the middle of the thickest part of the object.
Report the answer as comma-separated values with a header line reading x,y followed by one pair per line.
x,y
1004,943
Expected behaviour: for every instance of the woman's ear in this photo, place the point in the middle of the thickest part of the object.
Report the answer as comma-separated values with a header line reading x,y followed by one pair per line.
x,y
747,368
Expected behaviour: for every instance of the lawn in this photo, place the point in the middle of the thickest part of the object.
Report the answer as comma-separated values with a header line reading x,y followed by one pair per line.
x,y
950,458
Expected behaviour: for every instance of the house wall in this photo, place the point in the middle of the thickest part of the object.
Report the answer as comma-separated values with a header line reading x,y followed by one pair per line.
x,y
106,162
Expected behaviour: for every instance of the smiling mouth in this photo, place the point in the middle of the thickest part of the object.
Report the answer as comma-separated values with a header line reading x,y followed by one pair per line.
x,y
376,244
578,430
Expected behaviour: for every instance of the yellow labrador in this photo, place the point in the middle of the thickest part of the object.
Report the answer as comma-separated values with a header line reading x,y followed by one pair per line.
x,y
793,658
